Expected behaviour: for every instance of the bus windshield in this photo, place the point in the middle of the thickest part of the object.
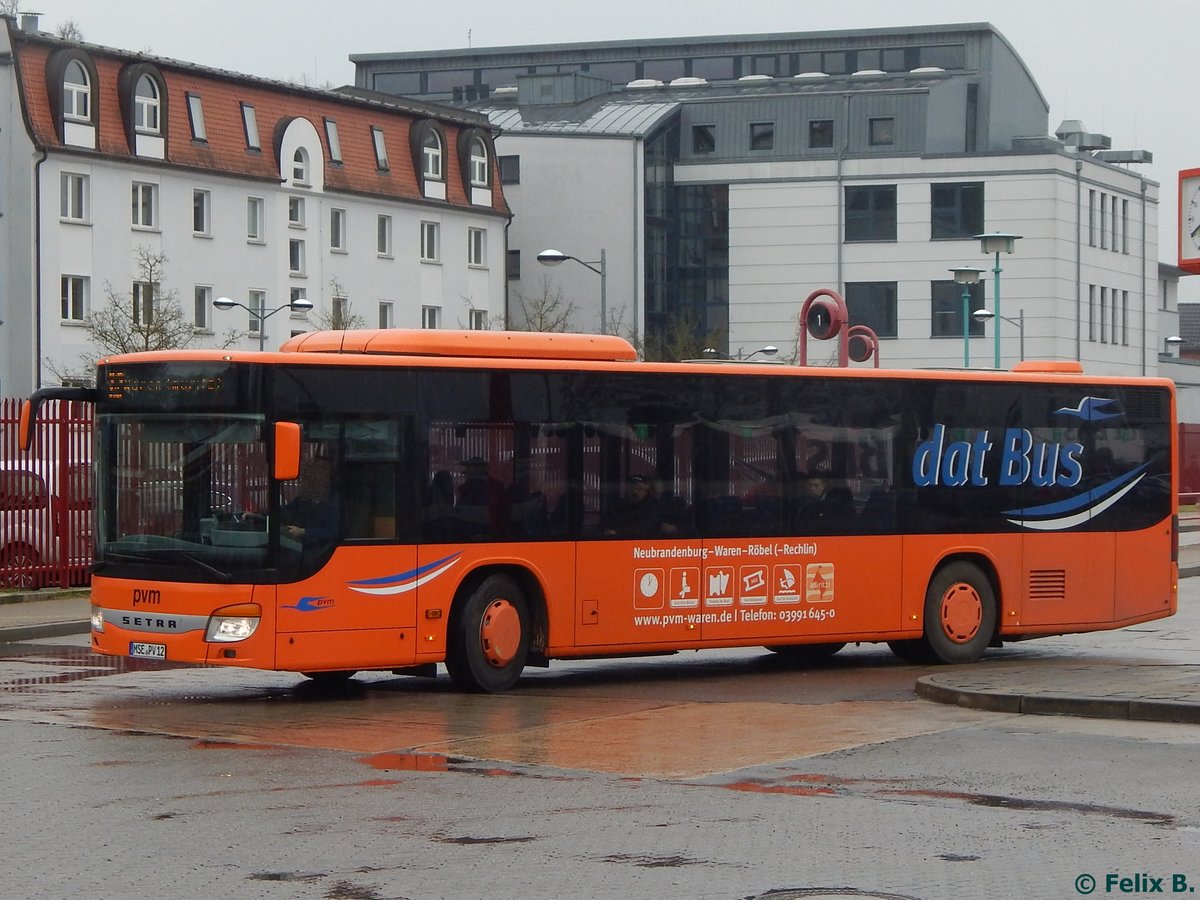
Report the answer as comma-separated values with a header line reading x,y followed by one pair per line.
x,y
185,496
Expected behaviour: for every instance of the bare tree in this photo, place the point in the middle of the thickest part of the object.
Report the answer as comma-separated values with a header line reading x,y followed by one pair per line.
x,y
548,312
493,322
11,8
682,338
69,31
340,315
145,318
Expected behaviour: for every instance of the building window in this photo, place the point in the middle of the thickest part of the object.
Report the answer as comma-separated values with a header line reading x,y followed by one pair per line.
x,y
294,294
430,239
381,157
145,205
514,264
296,212
431,156
1091,218
479,163
74,200
257,301
477,247
201,306
296,256
762,136
956,211
1124,318
250,127
1104,221
202,212
820,134
431,316
340,310
74,298
146,106
300,167
337,230
1092,317
881,132
1124,226
196,117
477,319
77,93
144,294
704,139
510,169
254,219
387,314
383,235
873,303
871,213
335,143
947,307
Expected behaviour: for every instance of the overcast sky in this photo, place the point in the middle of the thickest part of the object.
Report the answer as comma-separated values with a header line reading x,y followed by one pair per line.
x,y
1125,69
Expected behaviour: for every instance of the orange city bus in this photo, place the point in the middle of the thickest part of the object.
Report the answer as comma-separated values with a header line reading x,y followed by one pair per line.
x,y
390,500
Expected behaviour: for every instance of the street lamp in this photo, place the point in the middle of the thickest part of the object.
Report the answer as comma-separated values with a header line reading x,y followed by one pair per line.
x,y
557,257
997,242
982,315
966,276
299,305
769,350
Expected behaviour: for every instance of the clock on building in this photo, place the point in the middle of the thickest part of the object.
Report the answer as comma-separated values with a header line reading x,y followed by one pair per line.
x,y
1189,220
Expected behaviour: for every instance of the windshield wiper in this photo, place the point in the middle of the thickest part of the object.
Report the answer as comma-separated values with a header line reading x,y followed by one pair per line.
x,y
212,570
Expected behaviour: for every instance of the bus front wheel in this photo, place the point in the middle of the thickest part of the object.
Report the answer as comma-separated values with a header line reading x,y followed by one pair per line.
x,y
489,637
960,613
806,653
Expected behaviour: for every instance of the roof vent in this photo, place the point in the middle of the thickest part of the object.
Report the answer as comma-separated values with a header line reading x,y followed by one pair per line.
x,y
1124,156
870,72
644,83
755,78
1071,132
688,81
812,75
926,70
29,21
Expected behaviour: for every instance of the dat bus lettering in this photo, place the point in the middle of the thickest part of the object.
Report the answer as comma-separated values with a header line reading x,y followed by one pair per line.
x,y
1022,459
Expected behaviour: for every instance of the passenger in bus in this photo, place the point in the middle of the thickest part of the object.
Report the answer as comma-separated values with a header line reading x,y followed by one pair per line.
x,y
311,518
482,505
639,515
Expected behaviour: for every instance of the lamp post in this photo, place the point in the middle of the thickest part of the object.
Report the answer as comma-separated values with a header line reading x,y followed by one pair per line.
x,y
966,276
982,315
557,257
997,242
300,305
769,350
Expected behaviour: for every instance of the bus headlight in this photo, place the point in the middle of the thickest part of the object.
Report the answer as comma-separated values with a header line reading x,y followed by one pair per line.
x,y
98,619
233,623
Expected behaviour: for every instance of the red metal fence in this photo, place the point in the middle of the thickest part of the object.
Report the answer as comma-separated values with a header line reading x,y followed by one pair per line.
x,y
46,497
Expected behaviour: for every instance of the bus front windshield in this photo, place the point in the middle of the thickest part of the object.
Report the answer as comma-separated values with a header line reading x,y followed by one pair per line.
x,y
185,497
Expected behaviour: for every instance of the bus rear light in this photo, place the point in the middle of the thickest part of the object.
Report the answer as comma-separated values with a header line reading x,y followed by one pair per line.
x,y
233,623
98,619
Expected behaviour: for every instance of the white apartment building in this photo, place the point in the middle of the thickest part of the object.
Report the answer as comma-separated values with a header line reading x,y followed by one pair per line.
x,y
385,211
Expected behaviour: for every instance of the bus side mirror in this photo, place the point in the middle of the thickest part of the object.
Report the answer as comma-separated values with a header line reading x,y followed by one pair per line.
x,y
287,451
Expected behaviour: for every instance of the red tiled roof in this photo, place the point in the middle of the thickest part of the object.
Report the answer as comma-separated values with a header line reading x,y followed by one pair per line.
x,y
224,152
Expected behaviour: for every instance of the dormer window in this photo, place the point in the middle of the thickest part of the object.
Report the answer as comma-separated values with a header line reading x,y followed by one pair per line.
x,y
146,106
77,93
196,117
475,164
431,156
300,166
428,145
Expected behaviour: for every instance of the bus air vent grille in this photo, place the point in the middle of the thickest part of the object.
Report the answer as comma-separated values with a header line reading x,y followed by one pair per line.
x,y
1048,584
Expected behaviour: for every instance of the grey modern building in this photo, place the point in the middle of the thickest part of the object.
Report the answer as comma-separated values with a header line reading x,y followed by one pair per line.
x,y
721,179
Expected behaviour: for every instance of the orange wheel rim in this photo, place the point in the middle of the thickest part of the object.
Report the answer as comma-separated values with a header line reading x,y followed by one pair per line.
x,y
962,613
500,633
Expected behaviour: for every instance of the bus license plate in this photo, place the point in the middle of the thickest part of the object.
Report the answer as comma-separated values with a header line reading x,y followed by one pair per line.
x,y
147,651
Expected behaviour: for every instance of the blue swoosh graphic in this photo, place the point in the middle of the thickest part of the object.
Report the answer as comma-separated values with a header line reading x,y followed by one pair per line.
x,y
1074,510
1089,409
311,604
404,581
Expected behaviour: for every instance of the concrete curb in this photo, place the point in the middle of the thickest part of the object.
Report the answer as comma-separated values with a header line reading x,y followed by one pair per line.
x,y
45,630
929,687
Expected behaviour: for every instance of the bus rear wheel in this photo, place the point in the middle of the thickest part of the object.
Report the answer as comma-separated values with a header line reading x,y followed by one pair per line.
x,y
960,613
489,637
